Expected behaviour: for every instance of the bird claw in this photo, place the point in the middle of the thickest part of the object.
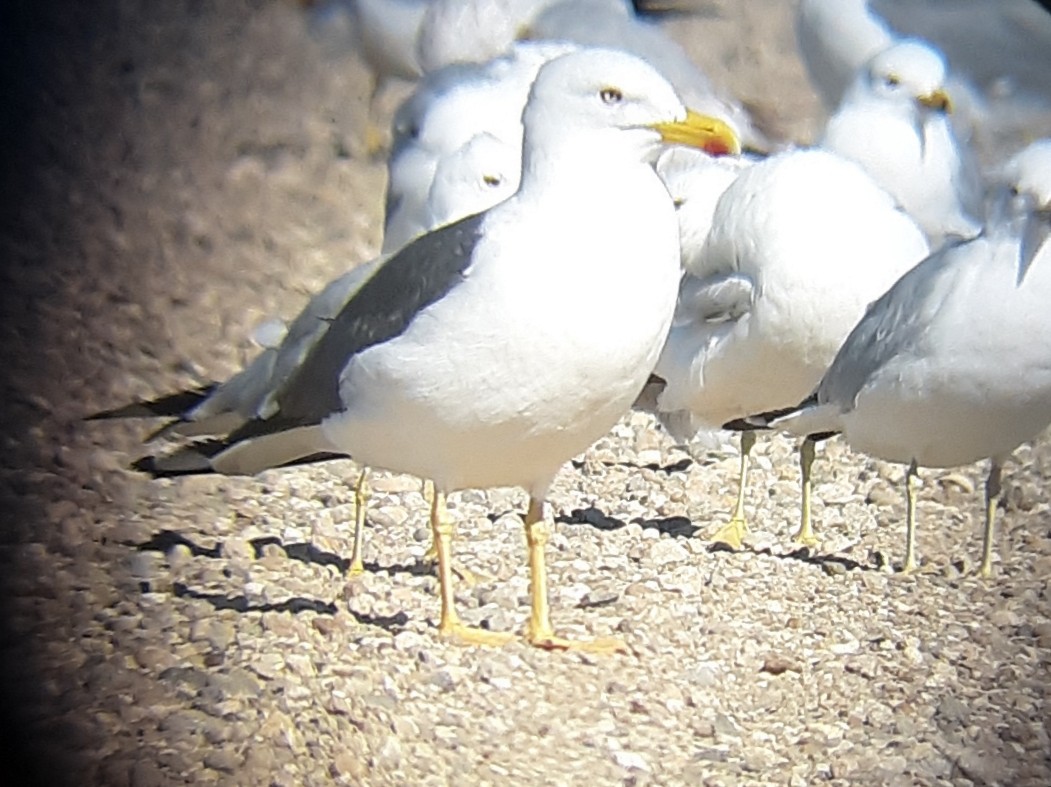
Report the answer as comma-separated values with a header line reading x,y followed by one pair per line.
x,y
732,533
468,577
603,645
471,635
805,538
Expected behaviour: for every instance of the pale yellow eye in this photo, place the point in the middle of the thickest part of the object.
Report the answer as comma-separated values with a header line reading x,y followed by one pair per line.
x,y
611,95
492,180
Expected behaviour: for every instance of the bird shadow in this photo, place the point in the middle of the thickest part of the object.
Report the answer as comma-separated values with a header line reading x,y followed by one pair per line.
x,y
683,527
294,605
221,601
165,540
676,526
801,555
303,552
680,466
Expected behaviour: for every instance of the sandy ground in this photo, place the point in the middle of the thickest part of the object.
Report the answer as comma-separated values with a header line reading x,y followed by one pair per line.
x,y
179,171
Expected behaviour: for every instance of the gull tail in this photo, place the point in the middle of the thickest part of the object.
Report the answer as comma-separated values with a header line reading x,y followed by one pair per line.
x,y
807,419
281,449
193,459
760,420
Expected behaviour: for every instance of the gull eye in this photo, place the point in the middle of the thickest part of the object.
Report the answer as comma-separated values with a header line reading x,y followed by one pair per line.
x,y
891,81
492,180
610,95
678,202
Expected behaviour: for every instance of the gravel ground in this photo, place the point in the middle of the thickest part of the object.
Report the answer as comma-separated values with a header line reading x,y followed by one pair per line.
x,y
180,170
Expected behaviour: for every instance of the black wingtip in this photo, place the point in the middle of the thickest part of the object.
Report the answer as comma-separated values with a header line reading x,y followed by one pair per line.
x,y
168,406
741,425
146,464
195,459
663,9
760,420
159,467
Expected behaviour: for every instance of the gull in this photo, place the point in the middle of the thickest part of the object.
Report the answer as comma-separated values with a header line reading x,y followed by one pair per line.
x,y
606,23
470,180
480,173
997,45
953,364
800,243
695,181
465,357
445,111
407,39
474,31
998,51
387,31
894,122
384,33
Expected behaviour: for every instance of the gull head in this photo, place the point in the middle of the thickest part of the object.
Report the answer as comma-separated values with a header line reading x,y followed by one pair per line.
x,y
1024,195
1028,172
600,98
482,172
909,71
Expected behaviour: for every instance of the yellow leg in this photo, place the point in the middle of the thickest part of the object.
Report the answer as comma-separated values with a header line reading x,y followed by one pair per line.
x,y
431,555
910,520
449,624
805,534
992,493
540,631
361,500
734,531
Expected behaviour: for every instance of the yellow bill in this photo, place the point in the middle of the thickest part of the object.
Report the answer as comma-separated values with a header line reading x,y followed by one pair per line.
x,y
938,100
711,135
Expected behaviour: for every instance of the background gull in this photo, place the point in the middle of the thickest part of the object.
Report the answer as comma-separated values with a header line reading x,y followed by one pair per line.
x,y
610,24
695,181
894,122
474,31
444,112
482,172
999,55
953,364
524,380
420,37
406,39
799,245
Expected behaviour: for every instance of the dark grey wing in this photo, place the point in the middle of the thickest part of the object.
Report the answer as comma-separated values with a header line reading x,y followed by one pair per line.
x,y
385,306
893,324
286,429
246,395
